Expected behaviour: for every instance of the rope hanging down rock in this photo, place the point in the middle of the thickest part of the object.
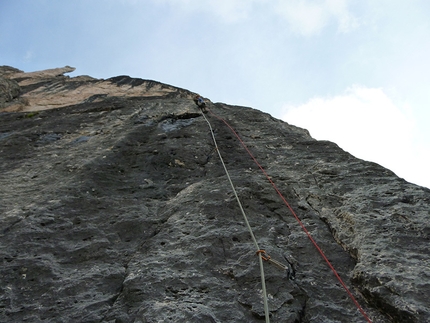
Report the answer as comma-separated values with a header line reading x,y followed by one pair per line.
x,y
259,252
297,219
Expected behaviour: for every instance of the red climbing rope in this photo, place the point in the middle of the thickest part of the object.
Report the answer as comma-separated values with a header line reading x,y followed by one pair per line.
x,y
298,220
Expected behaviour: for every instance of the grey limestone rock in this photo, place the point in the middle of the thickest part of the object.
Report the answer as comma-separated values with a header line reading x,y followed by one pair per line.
x,y
9,90
117,209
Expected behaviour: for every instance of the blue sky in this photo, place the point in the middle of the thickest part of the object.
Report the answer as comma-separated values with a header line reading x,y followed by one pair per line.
x,y
356,72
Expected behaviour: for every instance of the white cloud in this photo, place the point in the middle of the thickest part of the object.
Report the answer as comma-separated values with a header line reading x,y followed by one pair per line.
x,y
309,17
305,17
28,56
369,125
229,11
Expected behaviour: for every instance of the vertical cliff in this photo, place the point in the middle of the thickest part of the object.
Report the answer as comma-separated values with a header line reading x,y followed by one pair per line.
x,y
114,207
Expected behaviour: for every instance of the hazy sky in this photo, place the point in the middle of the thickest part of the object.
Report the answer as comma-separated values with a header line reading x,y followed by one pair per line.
x,y
356,72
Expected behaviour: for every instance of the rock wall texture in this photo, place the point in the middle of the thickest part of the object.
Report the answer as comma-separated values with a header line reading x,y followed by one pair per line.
x,y
116,208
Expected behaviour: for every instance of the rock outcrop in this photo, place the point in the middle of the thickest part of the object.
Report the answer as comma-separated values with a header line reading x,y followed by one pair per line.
x,y
114,207
50,89
9,89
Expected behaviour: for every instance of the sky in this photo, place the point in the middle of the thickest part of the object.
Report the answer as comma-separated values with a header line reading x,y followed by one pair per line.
x,y
355,72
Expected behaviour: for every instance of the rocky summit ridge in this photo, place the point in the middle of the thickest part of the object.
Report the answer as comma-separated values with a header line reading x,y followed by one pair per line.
x,y
114,207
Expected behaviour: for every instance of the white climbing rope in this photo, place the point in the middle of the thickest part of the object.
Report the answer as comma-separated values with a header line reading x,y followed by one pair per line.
x,y
260,256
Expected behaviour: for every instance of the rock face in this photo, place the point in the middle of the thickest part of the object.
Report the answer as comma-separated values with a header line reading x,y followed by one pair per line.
x,y
116,208
50,89
9,89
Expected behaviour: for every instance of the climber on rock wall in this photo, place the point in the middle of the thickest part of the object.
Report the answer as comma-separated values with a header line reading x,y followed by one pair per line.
x,y
200,102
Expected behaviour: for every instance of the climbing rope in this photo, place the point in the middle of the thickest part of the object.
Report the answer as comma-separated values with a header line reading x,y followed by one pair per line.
x,y
260,252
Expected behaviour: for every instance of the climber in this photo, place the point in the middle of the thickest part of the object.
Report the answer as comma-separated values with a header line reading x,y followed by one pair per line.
x,y
200,103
